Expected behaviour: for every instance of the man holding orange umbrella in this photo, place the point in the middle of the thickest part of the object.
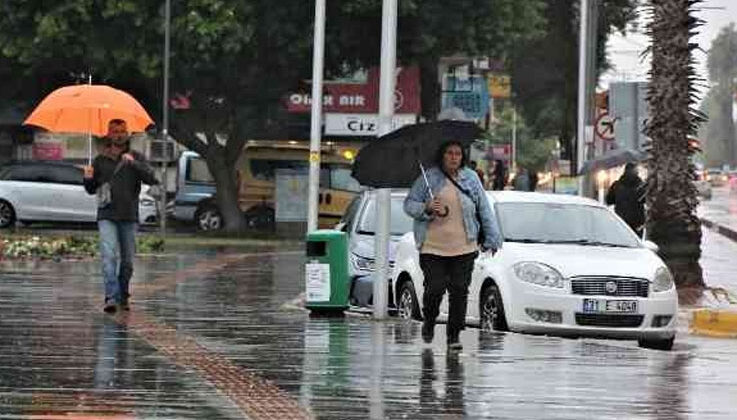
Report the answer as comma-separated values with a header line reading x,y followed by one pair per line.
x,y
115,176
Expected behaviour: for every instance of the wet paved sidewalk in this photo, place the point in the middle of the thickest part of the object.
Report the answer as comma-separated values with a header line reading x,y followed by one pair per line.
x,y
215,336
721,210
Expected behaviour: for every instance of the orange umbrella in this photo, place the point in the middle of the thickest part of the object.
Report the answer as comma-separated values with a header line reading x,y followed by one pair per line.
x,y
88,109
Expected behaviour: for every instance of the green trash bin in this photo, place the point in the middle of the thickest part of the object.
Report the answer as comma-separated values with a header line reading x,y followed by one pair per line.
x,y
326,272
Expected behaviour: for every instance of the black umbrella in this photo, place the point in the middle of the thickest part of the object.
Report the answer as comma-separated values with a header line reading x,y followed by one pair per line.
x,y
394,160
611,159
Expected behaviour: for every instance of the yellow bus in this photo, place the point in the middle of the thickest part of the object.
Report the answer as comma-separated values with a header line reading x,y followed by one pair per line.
x,y
256,172
261,160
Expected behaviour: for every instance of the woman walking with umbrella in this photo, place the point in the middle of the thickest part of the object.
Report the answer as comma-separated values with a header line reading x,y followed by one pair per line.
x,y
452,219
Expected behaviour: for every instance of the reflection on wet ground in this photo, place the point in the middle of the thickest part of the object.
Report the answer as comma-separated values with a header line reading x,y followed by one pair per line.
x,y
210,337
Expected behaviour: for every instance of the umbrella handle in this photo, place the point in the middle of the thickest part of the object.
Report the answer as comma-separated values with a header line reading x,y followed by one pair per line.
x,y
424,176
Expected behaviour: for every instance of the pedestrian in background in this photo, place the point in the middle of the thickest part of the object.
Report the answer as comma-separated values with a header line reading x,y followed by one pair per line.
x,y
627,194
475,167
533,180
499,180
522,179
115,176
448,230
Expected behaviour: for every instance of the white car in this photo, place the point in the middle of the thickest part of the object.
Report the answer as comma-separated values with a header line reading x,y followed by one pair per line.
x,y
568,266
40,191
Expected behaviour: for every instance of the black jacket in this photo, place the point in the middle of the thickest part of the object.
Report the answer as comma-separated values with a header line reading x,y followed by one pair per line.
x,y
125,186
628,196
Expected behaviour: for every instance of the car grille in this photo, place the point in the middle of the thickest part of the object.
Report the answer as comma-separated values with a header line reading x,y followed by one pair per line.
x,y
606,320
598,286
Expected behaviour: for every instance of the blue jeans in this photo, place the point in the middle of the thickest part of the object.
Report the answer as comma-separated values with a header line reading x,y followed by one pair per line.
x,y
117,247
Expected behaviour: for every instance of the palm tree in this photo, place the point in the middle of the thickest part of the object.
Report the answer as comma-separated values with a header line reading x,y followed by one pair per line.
x,y
672,199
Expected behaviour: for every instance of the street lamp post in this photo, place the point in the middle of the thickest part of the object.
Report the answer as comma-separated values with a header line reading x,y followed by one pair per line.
x,y
165,113
582,61
316,124
386,113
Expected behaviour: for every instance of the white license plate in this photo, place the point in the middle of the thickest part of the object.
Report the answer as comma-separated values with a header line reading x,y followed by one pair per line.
x,y
609,306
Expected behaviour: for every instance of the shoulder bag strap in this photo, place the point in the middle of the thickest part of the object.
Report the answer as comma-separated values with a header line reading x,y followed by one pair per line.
x,y
457,185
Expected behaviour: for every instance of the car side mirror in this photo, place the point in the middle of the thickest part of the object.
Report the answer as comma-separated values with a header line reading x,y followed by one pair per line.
x,y
342,226
652,246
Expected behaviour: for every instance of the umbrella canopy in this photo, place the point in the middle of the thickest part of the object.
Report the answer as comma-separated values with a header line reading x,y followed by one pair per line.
x,y
393,160
88,109
611,159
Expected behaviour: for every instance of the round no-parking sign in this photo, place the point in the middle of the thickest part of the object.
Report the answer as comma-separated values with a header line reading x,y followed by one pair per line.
x,y
605,127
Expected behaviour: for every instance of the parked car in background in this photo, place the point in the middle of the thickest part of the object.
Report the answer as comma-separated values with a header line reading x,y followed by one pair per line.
x,y
703,187
359,222
52,191
717,177
732,175
568,266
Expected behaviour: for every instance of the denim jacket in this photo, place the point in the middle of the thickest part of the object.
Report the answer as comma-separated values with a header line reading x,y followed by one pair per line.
x,y
414,206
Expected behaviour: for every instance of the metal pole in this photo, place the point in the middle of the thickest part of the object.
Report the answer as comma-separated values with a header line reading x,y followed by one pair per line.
x,y
582,61
89,133
386,113
514,140
316,125
165,113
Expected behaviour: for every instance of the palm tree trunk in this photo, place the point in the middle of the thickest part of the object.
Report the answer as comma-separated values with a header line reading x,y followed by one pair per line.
x,y
672,199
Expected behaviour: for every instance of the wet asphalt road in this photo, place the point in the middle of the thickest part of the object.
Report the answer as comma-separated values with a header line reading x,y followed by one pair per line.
x,y
217,335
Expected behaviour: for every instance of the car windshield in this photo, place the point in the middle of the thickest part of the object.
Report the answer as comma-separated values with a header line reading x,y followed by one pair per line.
x,y
563,223
401,223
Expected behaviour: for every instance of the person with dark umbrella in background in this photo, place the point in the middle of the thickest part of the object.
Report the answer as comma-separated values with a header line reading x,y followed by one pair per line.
x,y
627,194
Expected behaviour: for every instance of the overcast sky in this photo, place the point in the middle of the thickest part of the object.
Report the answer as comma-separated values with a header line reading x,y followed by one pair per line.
x,y
624,51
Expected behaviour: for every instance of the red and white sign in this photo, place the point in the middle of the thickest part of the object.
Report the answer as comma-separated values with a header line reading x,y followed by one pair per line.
x,y
363,98
361,124
605,127
47,150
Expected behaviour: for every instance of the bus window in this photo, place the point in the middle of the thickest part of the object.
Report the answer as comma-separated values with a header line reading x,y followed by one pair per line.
x,y
341,179
198,172
265,169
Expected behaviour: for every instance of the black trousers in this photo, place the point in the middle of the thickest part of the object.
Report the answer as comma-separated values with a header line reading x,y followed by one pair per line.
x,y
454,275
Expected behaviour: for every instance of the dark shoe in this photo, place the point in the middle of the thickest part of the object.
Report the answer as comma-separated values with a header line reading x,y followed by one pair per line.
x,y
456,346
125,305
110,308
428,331
453,342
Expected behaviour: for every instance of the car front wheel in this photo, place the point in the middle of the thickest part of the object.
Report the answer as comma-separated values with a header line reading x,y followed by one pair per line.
x,y
492,309
407,305
7,214
208,218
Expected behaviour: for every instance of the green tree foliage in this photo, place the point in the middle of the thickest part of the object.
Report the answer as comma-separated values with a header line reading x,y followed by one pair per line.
x,y
235,58
720,136
431,29
533,152
545,69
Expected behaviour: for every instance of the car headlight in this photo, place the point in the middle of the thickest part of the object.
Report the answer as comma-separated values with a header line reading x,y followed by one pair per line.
x,y
663,280
362,263
539,274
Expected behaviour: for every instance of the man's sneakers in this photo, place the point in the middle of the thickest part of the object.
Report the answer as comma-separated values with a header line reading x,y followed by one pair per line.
x,y
125,304
428,331
110,306
454,343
